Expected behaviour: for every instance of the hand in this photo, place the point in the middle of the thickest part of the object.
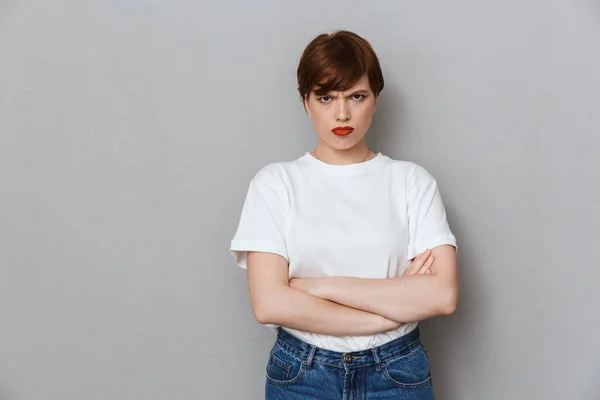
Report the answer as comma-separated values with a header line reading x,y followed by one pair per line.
x,y
308,285
421,264
389,325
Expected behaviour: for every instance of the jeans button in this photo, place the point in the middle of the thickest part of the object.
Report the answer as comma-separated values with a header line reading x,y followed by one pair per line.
x,y
347,358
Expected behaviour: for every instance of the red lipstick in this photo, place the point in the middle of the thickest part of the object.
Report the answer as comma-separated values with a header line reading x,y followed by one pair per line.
x,y
342,130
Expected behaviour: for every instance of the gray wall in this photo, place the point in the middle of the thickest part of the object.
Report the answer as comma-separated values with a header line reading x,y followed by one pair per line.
x,y
129,131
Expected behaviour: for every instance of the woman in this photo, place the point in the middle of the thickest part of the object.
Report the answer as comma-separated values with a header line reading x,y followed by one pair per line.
x,y
345,249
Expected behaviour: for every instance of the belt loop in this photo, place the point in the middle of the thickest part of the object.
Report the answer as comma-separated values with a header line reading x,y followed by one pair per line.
x,y
311,354
378,363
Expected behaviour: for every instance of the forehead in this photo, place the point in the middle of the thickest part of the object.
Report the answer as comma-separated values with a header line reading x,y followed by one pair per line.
x,y
361,84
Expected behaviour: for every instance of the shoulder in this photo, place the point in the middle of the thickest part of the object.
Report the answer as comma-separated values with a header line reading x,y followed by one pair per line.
x,y
281,172
410,171
273,173
274,178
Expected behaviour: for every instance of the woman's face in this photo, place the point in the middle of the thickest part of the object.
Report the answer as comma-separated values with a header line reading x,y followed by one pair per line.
x,y
343,118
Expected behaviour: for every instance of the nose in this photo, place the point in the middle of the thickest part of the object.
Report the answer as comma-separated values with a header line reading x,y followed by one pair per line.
x,y
343,112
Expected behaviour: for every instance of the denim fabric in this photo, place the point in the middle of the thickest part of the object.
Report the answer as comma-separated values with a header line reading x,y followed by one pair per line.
x,y
396,370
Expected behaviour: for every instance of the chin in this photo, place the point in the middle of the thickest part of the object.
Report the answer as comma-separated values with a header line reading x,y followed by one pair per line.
x,y
344,145
340,147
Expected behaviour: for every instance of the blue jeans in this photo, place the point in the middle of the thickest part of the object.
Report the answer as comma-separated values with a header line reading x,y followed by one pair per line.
x,y
398,370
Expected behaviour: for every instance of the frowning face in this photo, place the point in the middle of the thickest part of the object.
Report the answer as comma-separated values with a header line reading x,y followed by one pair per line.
x,y
342,118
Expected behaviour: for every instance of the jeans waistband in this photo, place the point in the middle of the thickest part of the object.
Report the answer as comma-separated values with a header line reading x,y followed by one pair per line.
x,y
376,355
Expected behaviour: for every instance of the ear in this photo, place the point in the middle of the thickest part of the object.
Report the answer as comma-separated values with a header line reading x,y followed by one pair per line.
x,y
375,103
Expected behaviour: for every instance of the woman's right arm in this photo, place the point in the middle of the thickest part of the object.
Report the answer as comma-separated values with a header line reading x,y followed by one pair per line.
x,y
273,301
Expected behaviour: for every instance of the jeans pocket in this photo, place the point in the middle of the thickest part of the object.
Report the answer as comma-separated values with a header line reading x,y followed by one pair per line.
x,y
283,368
410,370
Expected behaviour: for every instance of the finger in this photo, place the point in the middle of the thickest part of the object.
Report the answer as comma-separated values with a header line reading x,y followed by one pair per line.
x,y
422,257
424,267
418,263
414,266
427,265
425,254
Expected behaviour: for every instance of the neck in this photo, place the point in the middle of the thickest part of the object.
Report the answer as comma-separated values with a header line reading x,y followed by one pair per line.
x,y
356,154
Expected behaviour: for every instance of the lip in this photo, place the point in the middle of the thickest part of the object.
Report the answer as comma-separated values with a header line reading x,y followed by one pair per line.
x,y
342,130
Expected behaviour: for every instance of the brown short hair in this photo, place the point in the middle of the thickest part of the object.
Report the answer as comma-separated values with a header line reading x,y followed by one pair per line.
x,y
337,61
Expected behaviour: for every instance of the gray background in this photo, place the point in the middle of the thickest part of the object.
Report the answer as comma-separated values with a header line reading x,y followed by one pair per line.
x,y
129,131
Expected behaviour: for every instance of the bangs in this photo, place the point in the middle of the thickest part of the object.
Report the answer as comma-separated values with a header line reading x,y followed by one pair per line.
x,y
341,72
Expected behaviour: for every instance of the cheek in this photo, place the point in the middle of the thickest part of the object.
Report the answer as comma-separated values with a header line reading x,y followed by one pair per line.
x,y
319,118
364,115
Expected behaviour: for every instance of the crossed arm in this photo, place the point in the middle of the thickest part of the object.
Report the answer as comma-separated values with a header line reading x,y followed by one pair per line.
x,y
341,306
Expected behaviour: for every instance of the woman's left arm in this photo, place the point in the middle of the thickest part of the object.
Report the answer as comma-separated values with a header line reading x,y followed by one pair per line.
x,y
403,299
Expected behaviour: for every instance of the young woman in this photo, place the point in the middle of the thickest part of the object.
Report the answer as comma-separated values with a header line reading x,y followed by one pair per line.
x,y
345,249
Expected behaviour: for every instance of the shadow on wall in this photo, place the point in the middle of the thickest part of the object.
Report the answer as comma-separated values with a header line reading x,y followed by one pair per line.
x,y
6,7
5,391
445,339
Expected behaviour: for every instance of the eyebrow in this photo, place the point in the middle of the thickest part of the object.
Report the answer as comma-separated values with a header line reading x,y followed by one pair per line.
x,y
360,91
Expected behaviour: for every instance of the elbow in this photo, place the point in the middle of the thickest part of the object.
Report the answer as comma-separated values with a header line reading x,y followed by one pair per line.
x,y
265,311
268,304
449,302
262,313
264,317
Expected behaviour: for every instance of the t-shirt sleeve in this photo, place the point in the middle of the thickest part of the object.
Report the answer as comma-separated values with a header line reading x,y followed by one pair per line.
x,y
427,222
262,222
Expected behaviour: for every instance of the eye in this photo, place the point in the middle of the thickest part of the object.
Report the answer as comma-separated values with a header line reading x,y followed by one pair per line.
x,y
325,99
358,96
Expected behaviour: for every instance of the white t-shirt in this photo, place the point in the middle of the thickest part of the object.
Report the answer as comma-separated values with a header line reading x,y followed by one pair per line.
x,y
363,220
